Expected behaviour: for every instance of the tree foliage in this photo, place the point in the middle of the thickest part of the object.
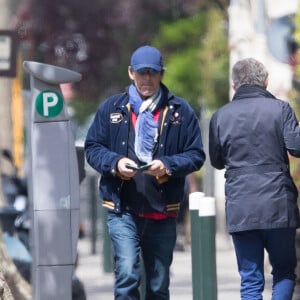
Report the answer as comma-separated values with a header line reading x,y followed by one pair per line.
x,y
197,59
294,101
97,38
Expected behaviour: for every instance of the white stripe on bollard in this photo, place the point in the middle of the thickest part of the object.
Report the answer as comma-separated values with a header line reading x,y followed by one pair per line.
x,y
194,200
207,207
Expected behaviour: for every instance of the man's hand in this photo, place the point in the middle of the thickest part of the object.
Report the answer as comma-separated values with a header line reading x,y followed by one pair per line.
x,y
157,168
123,170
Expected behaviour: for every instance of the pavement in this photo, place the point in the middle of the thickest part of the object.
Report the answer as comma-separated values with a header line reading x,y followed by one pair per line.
x,y
99,284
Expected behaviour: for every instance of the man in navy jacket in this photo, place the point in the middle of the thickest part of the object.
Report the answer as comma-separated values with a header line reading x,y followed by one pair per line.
x,y
143,143
251,137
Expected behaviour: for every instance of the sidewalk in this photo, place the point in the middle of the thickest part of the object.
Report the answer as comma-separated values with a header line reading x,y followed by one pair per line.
x,y
99,285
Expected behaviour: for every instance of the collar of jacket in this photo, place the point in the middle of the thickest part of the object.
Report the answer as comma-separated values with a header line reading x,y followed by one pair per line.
x,y
251,91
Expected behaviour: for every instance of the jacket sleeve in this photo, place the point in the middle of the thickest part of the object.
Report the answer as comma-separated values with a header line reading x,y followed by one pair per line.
x,y
97,144
291,131
215,151
191,156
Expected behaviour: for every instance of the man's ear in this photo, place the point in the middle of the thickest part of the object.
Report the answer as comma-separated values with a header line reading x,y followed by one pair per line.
x,y
266,82
130,73
234,87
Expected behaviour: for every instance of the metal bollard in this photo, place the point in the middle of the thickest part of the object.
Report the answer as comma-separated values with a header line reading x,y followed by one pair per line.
x,y
204,278
207,249
106,246
93,211
194,203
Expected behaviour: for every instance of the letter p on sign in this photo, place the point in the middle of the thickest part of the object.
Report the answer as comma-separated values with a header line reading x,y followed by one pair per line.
x,y
49,104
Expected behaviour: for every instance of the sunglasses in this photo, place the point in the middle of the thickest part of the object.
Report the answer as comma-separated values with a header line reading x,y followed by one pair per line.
x,y
145,71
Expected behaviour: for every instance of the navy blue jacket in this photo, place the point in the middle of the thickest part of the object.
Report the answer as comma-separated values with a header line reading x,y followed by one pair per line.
x,y
251,137
180,147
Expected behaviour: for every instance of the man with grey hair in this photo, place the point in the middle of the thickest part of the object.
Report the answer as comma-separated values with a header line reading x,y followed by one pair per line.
x,y
251,137
249,71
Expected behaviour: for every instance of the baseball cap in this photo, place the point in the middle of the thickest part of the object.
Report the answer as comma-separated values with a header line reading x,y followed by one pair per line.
x,y
146,57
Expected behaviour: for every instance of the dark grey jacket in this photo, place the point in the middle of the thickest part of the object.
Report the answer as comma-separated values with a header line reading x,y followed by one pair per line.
x,y
251,137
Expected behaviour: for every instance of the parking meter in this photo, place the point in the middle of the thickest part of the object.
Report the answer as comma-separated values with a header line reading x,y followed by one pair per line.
x,y
53,183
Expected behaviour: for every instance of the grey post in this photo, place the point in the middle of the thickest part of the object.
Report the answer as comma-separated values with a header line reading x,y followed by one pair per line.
x,y
53,183
194,203
207,251
203,229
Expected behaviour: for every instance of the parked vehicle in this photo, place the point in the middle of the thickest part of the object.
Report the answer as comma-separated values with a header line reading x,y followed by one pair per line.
x,y
16,224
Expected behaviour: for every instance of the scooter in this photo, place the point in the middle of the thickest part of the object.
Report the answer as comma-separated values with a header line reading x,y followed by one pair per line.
x,y
16,238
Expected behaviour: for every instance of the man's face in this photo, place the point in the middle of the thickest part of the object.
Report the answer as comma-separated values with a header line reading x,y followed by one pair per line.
x,y
146,80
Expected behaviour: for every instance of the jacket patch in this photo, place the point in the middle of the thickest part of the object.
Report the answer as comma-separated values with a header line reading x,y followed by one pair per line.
x,y
116,118
175,119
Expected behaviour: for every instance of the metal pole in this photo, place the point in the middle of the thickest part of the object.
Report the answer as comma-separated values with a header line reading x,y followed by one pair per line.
x,y
107,248
194,203
93,211
207,280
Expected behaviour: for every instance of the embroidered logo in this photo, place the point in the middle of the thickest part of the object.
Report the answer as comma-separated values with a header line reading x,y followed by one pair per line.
x,y
116,118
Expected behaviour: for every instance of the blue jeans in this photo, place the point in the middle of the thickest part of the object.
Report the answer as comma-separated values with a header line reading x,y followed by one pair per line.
x,y
249,249
133,236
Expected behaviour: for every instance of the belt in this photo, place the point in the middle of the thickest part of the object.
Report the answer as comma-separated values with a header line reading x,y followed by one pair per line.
x,y
256,170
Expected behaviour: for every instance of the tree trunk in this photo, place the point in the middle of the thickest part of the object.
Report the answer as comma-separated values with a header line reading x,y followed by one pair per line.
x,y
5,292
12,284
